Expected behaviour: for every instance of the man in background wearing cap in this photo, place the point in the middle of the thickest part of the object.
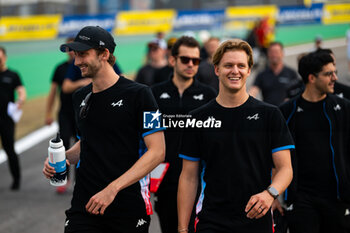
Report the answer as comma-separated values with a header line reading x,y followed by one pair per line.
x,y
111,191
155,60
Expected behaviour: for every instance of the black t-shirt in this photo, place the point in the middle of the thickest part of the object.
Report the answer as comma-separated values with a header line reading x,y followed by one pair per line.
x,y
274,87
111,135
342,90
314,155
145,75
163,74
9,81
206,74
236,159
66,99
171,103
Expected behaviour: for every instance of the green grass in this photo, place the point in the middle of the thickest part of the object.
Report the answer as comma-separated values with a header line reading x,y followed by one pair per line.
x,y
35,60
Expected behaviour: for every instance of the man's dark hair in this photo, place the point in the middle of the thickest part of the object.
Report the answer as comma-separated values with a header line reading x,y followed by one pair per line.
x,y
111,58
3,50
313,63
320,50
185,41
276,43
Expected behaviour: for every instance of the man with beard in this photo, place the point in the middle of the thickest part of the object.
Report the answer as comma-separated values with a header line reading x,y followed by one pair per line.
x,y
319,196
179,95
111,190
275,80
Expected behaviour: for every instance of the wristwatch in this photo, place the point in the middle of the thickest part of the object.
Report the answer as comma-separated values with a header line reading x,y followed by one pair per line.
x,y
273,192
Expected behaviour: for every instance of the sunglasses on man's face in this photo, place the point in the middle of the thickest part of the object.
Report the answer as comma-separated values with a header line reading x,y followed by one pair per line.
x,y
85,106
185,60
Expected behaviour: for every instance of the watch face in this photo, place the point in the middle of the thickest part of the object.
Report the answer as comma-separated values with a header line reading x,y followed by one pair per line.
x,y
273,192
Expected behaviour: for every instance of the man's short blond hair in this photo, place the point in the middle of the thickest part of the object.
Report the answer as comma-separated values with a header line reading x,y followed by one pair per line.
x,y
233,45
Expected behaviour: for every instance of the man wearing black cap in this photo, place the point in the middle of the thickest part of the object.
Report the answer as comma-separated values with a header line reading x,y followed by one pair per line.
x,y
111,191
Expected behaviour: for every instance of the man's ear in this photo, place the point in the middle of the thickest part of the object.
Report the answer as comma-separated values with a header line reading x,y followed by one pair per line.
x,y
105,54
172,61
311,78
216,69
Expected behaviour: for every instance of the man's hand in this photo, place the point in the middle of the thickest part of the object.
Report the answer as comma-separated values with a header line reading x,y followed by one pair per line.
x,y
277,205
49,119
258,205
100,201
48,170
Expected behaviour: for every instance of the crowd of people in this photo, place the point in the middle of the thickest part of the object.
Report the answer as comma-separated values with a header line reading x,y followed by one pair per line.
x,y
271,165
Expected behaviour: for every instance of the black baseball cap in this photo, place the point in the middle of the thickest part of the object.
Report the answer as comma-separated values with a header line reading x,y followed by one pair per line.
x,y
90,37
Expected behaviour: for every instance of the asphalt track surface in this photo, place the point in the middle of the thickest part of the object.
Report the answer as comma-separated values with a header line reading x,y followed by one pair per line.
x,y
37,208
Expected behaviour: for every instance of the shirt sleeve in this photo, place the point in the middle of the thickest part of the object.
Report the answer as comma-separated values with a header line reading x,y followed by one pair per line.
x,y
281,138
17,81
149,116
57,77
257,81
190,142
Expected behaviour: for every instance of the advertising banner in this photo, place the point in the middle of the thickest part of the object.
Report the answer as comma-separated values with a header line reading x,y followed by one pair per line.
x,y
199,20
300,14
242,18
29,28
336,13
71,25
238,18
144,22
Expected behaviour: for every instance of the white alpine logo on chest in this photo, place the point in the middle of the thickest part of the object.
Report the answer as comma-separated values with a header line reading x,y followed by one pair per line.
x,y
198,97
253,117
300,109
337,107
164,95
119,103
341,95
82,104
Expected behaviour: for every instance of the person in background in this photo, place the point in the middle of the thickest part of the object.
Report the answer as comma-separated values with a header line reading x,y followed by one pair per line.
x,y
155,60
10,83
111,190
160,40
318,43
66,119
165,73
319,197
247,138
340,89
206,73
178,95
275,80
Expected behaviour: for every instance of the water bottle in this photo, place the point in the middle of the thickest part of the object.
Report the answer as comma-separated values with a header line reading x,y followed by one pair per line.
x,y
57,159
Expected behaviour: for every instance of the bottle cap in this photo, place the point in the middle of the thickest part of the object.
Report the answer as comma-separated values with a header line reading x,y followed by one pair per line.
x,y
56,142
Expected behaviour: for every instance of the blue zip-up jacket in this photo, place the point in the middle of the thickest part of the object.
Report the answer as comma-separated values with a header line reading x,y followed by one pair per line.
x,y
337,112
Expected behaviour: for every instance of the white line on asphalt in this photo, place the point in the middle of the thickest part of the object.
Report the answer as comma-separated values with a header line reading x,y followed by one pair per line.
x,y
31,140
